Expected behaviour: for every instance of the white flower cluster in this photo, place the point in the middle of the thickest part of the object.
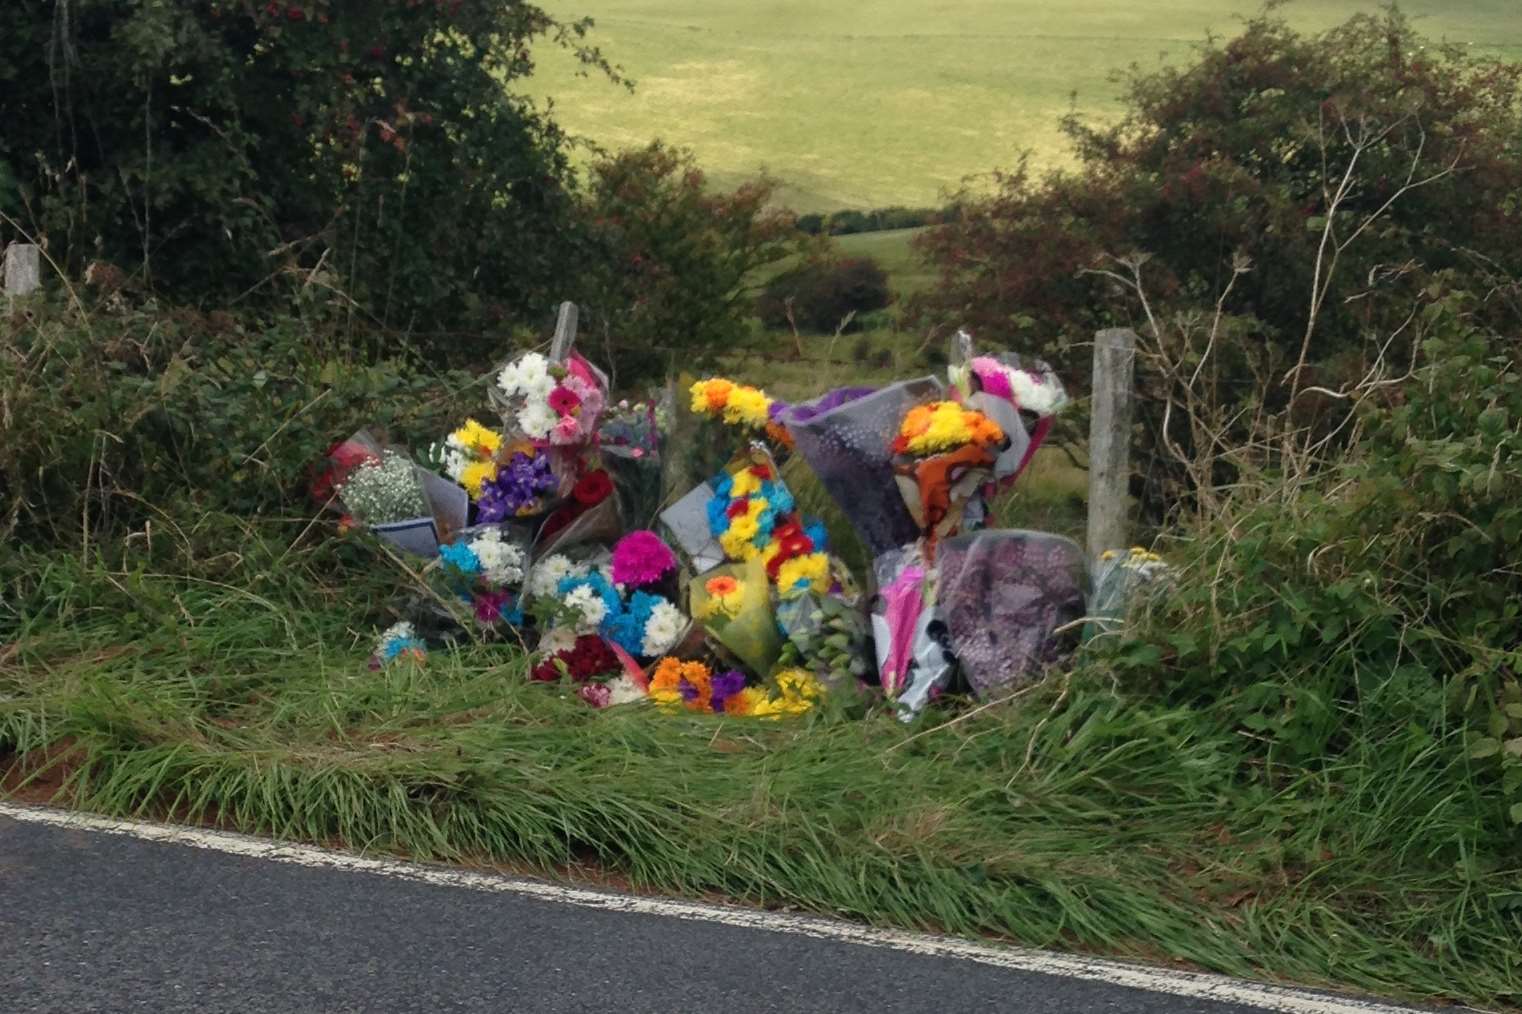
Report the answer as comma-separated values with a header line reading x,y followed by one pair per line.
x,y
501,562
386,490
589,607
544,580
402,631
662,629
1042,395
624,691
527,379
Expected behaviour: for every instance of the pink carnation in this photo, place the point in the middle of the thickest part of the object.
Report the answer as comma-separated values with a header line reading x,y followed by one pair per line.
x,y
595,694
566,431
993,377
641,558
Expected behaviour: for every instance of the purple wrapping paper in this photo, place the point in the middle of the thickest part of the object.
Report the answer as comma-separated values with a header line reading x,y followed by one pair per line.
x,y
849,446
1003,595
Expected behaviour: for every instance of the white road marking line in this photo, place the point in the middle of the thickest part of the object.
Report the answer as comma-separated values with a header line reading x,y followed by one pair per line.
x,y
1156,980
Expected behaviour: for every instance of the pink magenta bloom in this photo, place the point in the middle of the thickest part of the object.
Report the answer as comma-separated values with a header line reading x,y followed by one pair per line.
x,y
595,694
992,376
564,401
566,431
641,558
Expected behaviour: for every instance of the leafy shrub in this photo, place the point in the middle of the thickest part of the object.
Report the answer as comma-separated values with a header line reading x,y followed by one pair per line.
x,y
823,292
108,422
665,280
1379,597
1316,164
215,149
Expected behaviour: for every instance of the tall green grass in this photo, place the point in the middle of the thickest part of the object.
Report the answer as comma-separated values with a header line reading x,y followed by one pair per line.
x,y
1079,816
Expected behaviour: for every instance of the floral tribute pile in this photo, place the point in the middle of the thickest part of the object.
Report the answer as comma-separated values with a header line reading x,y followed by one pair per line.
x,y
655,552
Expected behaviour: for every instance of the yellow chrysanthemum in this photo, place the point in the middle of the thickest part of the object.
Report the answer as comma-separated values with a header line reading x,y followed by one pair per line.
x,y
746,701
476,473
812,567
744,483
737,545
747,406
945,425
478,438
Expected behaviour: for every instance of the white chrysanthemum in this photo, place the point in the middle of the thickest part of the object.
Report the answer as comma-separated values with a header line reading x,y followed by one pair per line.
x,y
501,562
557,639
544,580
588,605
662,629
528,377
537,419
1041,396
402,631
624,691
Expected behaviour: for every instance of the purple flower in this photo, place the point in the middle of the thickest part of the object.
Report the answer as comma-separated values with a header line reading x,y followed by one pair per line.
x,y
517,486
726,685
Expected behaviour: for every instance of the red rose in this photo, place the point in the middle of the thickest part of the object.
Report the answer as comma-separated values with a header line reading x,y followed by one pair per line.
x,y
592,488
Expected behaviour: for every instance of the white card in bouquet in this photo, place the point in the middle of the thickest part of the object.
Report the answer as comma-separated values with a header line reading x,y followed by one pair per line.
x,y
687,521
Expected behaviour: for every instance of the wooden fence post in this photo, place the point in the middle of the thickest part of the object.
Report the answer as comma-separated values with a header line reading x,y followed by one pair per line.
x,y
1110,440
565,332
23,269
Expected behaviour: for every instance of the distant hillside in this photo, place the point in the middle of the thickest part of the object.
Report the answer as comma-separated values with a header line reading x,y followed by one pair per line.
x,y
877,102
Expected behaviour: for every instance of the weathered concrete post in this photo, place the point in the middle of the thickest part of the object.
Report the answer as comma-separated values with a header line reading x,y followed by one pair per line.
x,y
23,269
1110,440
565,332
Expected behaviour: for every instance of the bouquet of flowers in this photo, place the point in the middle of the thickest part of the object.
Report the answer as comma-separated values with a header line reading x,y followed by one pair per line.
x,y
827,636
586,600
402,503
717,417
752,514
1123,581
602,679
943,454
485,567
696,687
1011,601
630,439
551,403
914,660
849,446
521,487
469,456
734,603
589,515
1021,398
398,642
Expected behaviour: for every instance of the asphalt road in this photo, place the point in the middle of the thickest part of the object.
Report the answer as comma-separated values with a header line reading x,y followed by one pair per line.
x,y
102,922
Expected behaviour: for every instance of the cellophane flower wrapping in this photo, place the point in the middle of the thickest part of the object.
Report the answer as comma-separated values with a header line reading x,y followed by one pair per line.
x,y
632,443
914,660
1124,582
485,567
1006,597
849,446
550,403
733,602
1023,395
697,446
826,636
409,506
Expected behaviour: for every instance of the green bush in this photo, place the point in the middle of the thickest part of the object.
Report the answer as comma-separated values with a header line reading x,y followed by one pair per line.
x,y
112,421
1379,599
221,149
821,293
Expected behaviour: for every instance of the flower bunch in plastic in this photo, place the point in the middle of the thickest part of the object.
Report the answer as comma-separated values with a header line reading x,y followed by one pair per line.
x,y
384,489
486,569
552,403
943,454
398,643
753,515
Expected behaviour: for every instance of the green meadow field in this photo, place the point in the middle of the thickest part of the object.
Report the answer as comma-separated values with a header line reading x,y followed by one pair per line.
x,y
878,102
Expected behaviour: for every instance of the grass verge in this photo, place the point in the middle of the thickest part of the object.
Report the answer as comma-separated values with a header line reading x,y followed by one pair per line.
x,y
1080,816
